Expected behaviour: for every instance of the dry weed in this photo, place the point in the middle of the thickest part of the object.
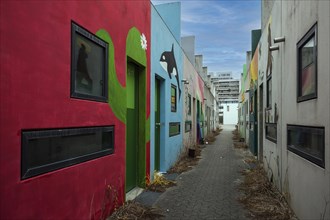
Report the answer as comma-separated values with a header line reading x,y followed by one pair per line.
x,y
260,197
210,138
133,210
185,163
160,183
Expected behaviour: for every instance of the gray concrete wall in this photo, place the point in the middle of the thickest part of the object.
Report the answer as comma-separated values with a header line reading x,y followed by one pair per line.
x,y
307,183
266,8
199,63
193,89
271,151
304,184
188,46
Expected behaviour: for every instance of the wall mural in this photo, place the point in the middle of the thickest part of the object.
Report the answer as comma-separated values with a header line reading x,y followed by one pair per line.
x,y
270,57
168,62
136,46
253,70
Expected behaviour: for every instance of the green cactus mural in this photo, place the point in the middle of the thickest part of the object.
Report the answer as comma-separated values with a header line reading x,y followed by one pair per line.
x,y
136,45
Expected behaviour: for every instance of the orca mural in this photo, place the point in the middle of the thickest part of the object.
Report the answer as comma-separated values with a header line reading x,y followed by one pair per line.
x,y
167,61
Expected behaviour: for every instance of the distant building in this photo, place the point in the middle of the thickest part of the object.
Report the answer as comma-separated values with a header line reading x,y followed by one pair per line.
x,y
227,90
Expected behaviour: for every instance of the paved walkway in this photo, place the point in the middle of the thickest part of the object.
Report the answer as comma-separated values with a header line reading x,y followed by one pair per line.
x,y
209,190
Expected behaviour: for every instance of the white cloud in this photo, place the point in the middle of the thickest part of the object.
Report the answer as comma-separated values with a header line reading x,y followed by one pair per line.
x,y
222,29
205,12
252,25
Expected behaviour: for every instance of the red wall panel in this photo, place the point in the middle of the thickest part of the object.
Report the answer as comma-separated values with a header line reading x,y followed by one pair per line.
x,y
35,94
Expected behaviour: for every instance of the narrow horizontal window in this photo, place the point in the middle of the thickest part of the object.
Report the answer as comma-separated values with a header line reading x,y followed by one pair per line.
x,y
307,142
48,150
174,128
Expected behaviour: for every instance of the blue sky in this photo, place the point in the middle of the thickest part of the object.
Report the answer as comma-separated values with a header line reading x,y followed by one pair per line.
x,y
222,30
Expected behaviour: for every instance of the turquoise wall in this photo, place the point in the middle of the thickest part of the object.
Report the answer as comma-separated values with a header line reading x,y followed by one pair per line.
x,y
162,40
171,15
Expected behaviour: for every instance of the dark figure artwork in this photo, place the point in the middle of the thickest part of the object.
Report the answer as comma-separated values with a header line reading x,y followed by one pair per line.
x,y
167,61
83,78
270,58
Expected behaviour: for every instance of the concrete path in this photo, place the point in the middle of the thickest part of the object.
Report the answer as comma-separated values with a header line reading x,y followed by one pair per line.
x,y
209,191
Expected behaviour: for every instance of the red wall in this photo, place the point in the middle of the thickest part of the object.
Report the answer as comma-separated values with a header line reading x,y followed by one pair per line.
x,y
35,94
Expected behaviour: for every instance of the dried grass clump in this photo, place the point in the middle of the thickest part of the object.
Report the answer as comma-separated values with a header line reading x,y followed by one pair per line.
x,y
236,136
261,198
160,183
185,162
217,131
210,138
240,145
134,210
237,140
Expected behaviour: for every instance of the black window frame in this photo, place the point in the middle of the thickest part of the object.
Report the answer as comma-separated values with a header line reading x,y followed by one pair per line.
x,y
189,104
27,135
187,126
312,32
319,130
268,137
174,124
78,29
173,109
269,95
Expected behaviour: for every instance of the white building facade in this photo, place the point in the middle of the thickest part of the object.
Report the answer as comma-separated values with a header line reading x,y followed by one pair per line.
x,y
227,91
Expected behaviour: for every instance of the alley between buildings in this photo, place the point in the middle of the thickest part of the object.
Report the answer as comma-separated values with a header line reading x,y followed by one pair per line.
x,y
209,191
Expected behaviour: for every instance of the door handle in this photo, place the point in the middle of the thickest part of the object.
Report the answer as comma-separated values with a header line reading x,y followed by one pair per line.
x,y
158,124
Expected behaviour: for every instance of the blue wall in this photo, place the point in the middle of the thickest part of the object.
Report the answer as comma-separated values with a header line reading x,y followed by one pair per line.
x,y
162,40
171,15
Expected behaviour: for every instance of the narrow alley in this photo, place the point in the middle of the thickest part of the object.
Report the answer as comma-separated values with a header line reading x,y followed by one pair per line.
x,y
209,191
223,105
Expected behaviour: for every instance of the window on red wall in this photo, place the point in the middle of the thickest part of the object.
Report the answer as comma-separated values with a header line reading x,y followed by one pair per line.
x,y
89,58
48,150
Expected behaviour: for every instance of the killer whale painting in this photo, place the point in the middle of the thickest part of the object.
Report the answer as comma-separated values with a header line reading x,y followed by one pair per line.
x,y
168,62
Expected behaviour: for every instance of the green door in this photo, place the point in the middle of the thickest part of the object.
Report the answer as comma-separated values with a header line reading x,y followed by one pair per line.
x,y
157,125
132,127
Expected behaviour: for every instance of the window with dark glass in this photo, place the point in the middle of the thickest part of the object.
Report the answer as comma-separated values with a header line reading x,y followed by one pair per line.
x,y
307,66
173,98
269,93
187,126
271,132
89,58
174,128
48,150
307,142
189,104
